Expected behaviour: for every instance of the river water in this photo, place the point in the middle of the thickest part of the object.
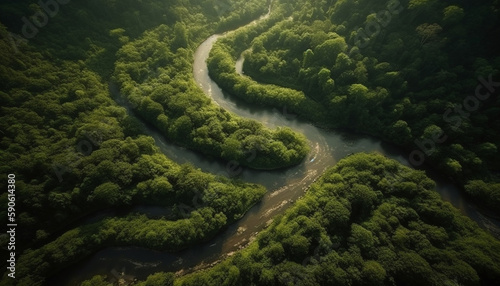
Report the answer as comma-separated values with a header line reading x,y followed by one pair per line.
x,y
284,187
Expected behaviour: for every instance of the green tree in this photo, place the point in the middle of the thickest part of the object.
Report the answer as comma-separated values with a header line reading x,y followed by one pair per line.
x,y
428,32
308,58
412,269
231,149
181,39
373,273
160,279
400,132
337,215
452,14
296,247
362,238
97,280
181,128
106,193
327,52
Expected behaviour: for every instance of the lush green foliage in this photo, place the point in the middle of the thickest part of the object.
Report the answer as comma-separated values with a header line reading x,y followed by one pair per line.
x,y
156,77
94,30
65,139
221,64
156,68
366,221
406,71
75,152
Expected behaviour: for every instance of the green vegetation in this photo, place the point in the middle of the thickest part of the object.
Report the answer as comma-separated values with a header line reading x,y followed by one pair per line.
x,y
156,77
94,30
65,139
366,221
420,74
75,152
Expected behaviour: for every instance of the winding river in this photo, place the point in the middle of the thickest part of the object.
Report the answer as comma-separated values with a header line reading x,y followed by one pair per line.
x,y
284,187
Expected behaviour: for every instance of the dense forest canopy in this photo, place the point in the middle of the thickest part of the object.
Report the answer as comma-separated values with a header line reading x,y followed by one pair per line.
x,y
366,221
422,74
75,152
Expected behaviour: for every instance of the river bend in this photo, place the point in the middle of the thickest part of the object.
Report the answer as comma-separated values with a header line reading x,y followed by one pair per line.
x,y
284,186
